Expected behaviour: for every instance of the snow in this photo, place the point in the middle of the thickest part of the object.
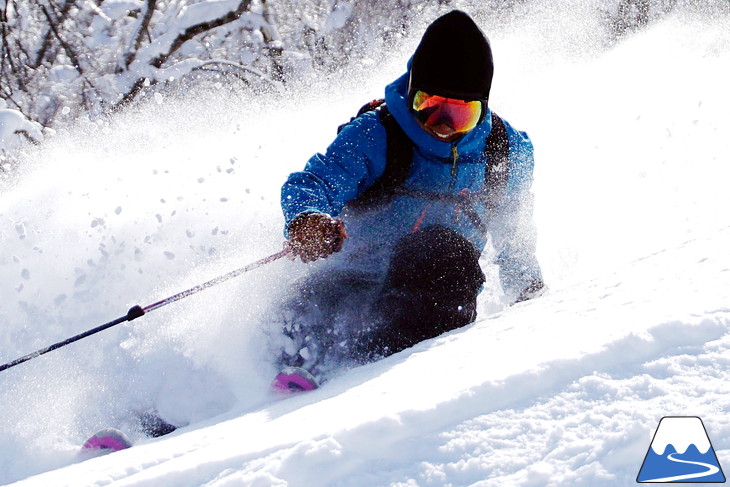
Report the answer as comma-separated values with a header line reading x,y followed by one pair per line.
x,y
339,16
118,9
11,123
564,390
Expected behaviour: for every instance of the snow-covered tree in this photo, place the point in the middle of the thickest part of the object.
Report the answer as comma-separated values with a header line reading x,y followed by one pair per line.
x,y
15,129
76,57
90,56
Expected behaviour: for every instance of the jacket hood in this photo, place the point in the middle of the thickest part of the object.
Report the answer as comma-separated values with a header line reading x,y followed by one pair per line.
x,y
396,98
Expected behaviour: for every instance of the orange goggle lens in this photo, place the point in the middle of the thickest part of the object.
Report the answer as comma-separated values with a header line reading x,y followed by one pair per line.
x,y
434,110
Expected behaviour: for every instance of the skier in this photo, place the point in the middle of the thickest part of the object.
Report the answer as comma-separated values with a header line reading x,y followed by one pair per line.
x,y
401,206
396,215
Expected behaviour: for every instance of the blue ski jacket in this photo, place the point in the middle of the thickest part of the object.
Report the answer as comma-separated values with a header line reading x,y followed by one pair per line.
x,y
357,158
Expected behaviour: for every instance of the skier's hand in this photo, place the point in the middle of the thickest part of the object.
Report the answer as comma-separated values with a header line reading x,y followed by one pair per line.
x,y
315,235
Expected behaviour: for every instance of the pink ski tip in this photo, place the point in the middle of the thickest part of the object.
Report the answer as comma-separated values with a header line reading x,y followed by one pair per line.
x,y
107,439
292,380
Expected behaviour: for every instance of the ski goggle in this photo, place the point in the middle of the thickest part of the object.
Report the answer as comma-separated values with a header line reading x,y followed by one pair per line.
x,y
434,110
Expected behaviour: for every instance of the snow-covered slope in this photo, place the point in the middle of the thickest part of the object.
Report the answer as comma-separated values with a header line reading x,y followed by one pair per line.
x,y
565,390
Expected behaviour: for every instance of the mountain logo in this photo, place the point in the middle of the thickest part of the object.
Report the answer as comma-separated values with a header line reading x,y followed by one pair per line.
x,y
681,452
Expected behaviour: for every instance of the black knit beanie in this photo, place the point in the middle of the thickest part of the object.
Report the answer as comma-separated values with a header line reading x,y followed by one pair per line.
x,y
453,59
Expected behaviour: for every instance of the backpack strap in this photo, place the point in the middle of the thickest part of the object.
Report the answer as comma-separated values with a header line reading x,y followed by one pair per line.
x,y
399,157
496,153
368,107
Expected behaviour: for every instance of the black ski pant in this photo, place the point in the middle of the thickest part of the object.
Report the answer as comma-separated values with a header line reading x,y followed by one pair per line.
x,y
431,287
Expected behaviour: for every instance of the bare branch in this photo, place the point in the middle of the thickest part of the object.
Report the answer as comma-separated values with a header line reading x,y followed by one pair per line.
x,y
8,96
142,30
28,137
131,94
48,36
66,47
271,36
235,69
196,29
6,53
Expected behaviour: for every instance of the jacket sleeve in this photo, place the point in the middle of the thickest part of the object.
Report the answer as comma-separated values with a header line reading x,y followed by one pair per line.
x,y
512,228
354,160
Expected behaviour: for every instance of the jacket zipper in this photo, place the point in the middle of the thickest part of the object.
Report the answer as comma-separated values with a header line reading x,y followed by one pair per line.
x,y
454,169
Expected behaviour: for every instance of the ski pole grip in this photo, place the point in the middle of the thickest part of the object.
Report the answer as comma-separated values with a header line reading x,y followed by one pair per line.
x,y
134,313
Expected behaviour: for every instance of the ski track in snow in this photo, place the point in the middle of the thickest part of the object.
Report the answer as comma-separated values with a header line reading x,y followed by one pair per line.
x,y
565,390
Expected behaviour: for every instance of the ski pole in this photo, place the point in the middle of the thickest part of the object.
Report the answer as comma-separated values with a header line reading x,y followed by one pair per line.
x,y
137,311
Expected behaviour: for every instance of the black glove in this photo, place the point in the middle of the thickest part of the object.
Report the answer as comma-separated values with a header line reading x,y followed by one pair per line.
x,y
315,235
531,290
